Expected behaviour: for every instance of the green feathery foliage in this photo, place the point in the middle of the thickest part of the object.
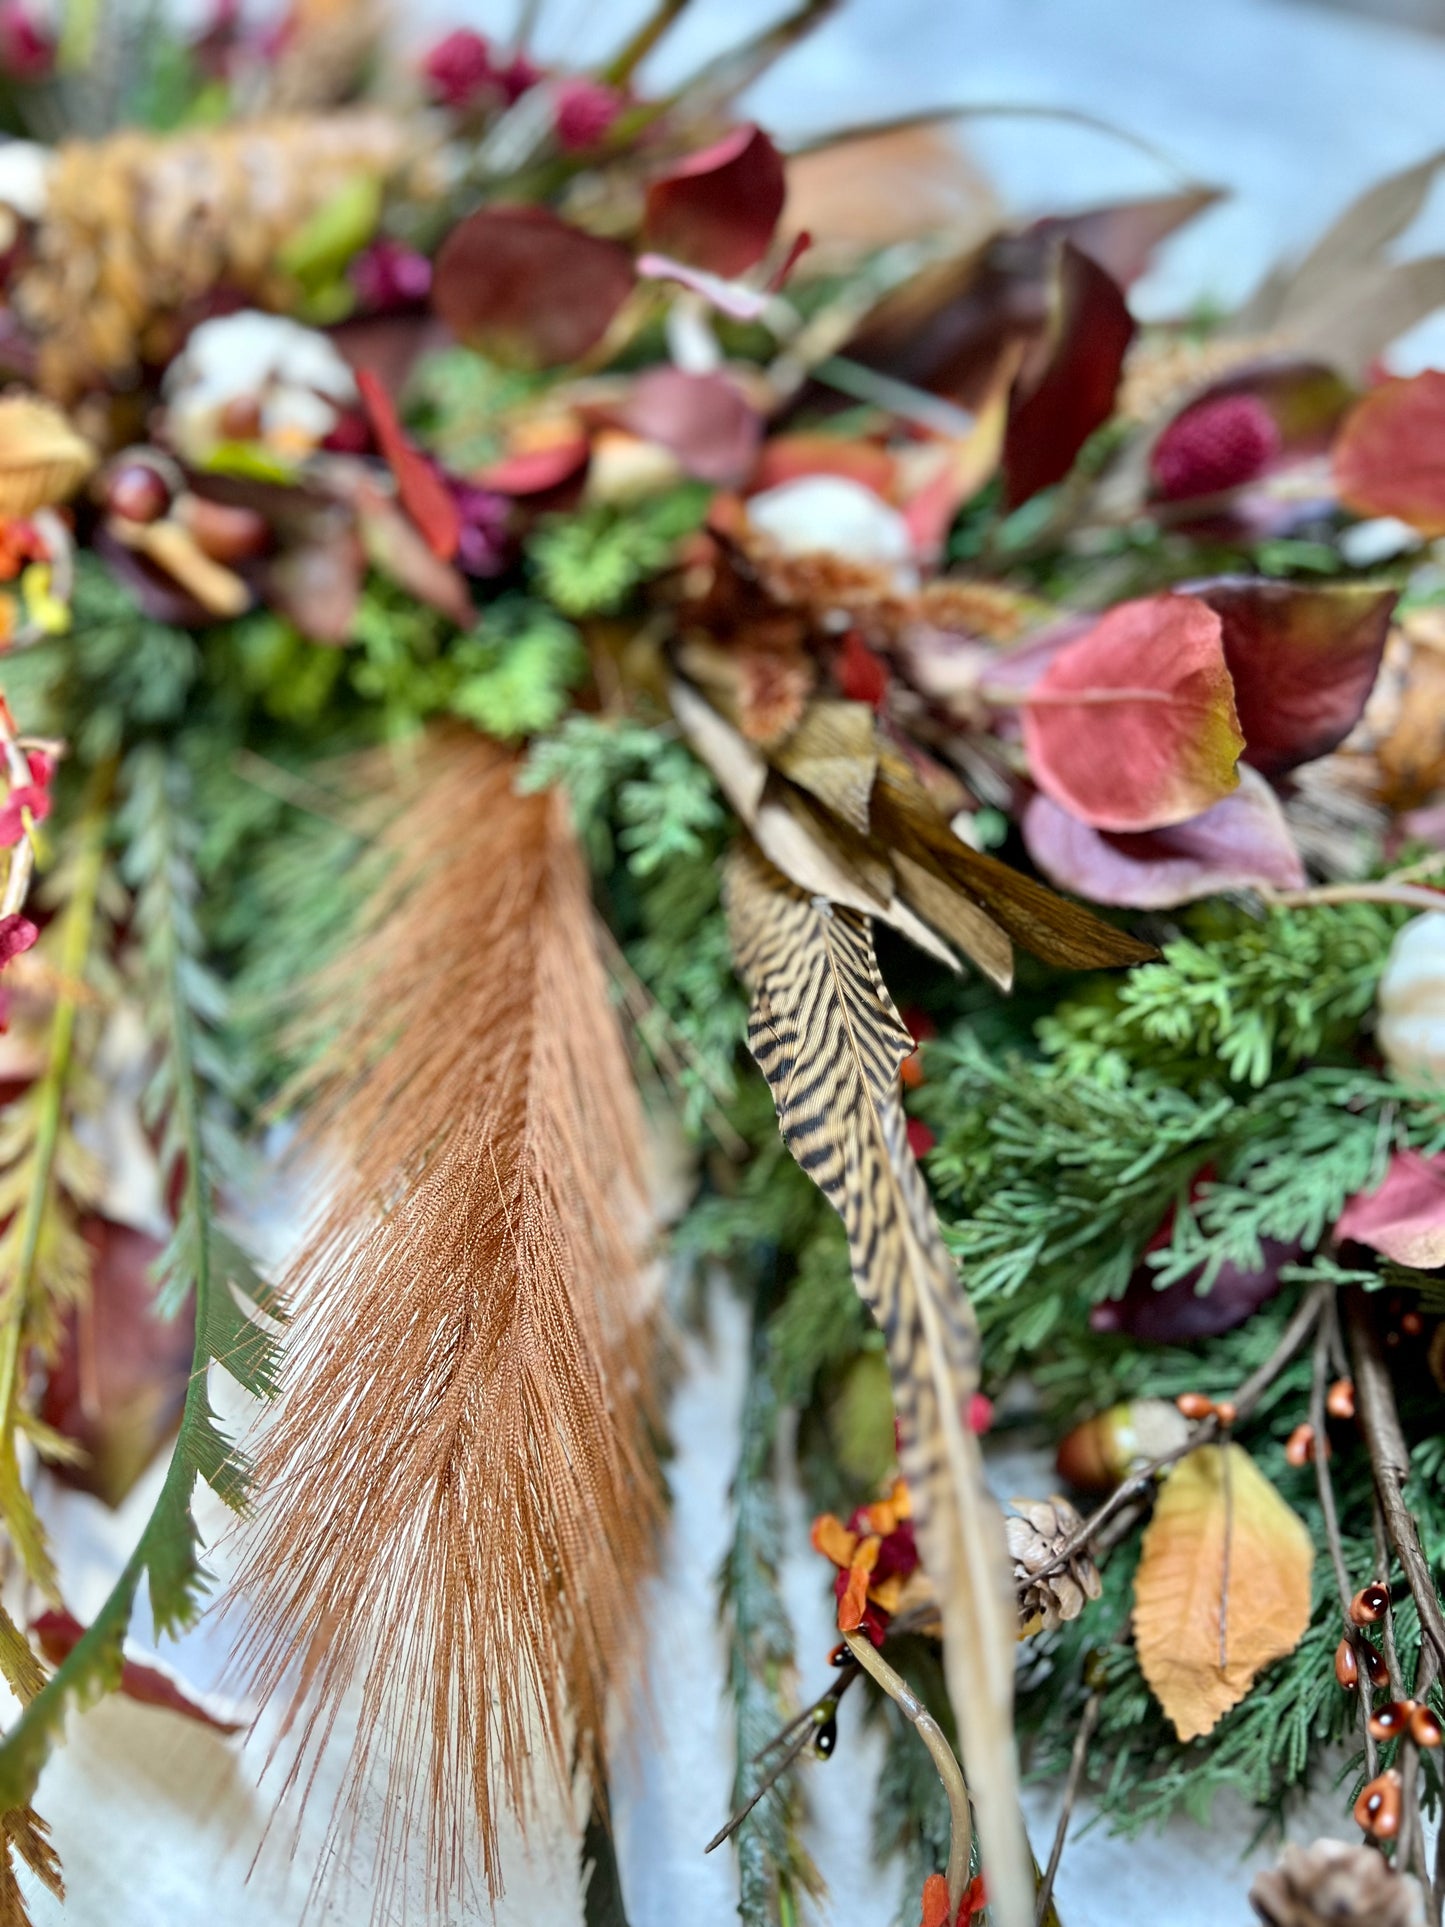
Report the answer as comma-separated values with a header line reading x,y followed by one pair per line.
x,y
183,1004
590,562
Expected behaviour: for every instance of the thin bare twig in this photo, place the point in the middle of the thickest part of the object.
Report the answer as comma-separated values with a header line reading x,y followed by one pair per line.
x,y
1326,1487
1088,1720
794,1740
960,1840
1410,896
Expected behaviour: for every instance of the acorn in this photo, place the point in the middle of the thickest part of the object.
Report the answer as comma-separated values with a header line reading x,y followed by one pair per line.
x,y
1347,1666
223,531
1370,1604
1378,1808
1100,1453
1389,1722
1425,1727
137,492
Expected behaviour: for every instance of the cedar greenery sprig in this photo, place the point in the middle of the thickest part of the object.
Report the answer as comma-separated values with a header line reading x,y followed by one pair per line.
x,y
182,1004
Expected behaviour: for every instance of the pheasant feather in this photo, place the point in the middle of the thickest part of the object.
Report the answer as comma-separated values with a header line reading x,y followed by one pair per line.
x,y
458,1500
826,1034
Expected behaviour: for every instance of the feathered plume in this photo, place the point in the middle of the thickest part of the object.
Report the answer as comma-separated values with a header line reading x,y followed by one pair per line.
x,y
458,1499
830,1042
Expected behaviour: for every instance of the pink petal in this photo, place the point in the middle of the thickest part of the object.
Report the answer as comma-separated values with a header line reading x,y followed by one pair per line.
x,y
1404,1217
705,420
1242,843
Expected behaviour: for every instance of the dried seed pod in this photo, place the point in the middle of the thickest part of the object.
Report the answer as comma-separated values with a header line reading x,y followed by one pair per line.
x,y
1389,1722
1347,1666
1300,1446
1194,1405
1370,1604
1376,1671
1340,1398
1378,1808
1425,1727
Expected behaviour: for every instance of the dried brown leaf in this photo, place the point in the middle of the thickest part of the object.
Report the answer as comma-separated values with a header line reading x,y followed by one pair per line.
x,y
1208,1620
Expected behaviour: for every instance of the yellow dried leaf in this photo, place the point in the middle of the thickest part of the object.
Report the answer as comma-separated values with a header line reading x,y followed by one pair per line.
x,y
1214,1494
43,460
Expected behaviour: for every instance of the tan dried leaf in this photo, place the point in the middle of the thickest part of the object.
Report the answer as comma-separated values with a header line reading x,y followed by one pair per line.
x,y
1223,1586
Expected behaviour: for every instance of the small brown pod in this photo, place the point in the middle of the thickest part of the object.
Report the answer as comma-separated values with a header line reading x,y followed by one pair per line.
x,y
1378,1808
1376,1671
1194,1405
1347,1667
1425,1727
1390,1721
1370,1604
1225,1412
1340,1399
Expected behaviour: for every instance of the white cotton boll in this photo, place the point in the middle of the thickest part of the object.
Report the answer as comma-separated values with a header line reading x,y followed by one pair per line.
x,y
239,354
25,177
1410,1022
836,515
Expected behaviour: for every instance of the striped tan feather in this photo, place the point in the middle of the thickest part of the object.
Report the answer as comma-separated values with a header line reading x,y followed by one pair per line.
x,y
830,1042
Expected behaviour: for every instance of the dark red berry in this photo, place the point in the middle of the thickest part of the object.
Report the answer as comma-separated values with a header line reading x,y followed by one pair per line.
x,y
1214,445
137,492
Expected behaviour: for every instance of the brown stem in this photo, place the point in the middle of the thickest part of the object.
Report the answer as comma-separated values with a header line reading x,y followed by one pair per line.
x,y
1088,1720
794,1739
1326,1488
1390,1460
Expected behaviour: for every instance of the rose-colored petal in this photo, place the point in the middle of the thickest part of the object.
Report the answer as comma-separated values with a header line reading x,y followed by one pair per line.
x,y
424,495
17,933
1390,456
1058,405
148,1681
1242,843
1132,726
719,209
705,420
1405,1216
536,470
527,288
1303,658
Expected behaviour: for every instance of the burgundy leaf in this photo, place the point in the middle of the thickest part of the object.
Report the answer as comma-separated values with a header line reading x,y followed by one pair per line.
x,y
395,548
1404,1217
120,1381
1303,658
1059,403
527,288
149,1681
719,209
1123,237
1242,843
1180,1314
424,495
705,420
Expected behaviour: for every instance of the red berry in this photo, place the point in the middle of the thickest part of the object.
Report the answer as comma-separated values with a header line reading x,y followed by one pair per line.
x,y
137,492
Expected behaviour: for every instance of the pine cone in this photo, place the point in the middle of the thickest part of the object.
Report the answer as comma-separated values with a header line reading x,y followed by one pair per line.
x,y
1332,1884
1035,1539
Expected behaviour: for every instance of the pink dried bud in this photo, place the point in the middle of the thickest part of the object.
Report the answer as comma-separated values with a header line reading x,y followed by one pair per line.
x,y
388,276
459,69
1212,446
583,110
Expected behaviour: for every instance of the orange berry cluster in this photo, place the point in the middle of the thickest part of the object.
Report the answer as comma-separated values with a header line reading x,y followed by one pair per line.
x,y
1380,1804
